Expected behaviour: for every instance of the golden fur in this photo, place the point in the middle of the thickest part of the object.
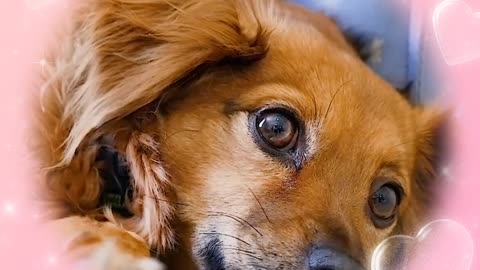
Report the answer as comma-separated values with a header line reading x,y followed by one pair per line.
x,y
173,82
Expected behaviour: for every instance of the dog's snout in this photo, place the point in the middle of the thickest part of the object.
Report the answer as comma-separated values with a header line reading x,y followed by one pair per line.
x,y
327,258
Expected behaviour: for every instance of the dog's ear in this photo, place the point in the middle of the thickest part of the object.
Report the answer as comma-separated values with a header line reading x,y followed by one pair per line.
x,y
121,57
431,152
140,48
431,156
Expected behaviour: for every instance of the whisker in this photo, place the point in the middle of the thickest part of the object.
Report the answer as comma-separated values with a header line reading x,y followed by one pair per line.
x,y
234,217
333,98
238,219
315,104
162,200
239,249
227,235
246,254
218,213
258,201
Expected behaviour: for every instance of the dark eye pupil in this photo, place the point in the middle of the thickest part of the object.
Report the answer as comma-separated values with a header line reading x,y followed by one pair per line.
x,y
276,129
384,202
380,199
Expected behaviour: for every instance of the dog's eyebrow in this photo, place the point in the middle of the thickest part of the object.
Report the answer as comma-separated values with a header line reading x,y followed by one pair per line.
x,y
390,169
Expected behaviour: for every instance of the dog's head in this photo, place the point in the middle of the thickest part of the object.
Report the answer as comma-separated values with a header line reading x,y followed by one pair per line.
x,y
255,136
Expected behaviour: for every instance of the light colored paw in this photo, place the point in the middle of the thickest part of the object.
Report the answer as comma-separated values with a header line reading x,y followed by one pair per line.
x,y
108,256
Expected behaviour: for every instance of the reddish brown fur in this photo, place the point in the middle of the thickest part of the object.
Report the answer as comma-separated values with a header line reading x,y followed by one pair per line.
x,y
172,82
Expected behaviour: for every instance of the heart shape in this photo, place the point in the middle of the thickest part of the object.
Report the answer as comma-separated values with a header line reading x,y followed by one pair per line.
x,y
444,244
457,30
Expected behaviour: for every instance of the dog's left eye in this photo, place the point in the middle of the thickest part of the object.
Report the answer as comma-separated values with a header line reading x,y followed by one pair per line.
x,y
277,129
383,205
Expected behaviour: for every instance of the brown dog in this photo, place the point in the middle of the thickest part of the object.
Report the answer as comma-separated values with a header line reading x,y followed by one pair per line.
x,y
254,137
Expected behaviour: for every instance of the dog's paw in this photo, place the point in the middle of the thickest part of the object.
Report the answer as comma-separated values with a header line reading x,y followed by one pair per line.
x,y
108,256
92,245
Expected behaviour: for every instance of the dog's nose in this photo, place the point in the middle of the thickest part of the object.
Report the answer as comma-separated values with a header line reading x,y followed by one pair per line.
x,y
327,258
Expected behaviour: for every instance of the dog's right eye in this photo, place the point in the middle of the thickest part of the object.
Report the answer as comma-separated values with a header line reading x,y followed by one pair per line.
x,y
277,129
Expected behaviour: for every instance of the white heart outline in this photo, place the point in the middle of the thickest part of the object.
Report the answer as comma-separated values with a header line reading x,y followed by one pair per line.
x,y
375,262
436,18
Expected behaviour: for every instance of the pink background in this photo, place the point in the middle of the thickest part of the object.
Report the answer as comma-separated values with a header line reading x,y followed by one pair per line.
x,y
26,26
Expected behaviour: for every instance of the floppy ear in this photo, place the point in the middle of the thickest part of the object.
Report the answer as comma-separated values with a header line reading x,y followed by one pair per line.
x,y
122,56
431,146
431,154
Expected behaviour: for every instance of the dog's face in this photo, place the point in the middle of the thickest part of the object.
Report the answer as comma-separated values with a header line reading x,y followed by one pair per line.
x,y
304,158
282,149
282,162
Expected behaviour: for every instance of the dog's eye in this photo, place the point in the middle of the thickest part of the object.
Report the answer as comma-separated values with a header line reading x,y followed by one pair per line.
x,y
277,129
383,204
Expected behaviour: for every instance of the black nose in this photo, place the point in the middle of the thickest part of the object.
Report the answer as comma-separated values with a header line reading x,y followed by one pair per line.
x,y
326,258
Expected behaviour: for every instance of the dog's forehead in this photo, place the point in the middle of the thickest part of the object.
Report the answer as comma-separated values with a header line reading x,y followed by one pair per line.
x,y
316,77
312,62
